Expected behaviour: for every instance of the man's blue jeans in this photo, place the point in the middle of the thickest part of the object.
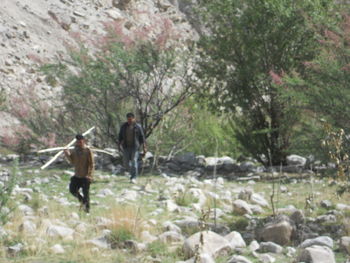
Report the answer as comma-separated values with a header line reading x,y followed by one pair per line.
x,y
130,158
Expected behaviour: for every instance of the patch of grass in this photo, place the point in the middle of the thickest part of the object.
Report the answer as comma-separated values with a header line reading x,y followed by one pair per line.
x,y
161,250
127,223
238,224
35,202
5,151
185,199
120,235
157,248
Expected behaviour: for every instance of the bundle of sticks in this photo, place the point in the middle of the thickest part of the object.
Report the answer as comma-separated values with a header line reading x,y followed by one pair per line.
x,y
69,146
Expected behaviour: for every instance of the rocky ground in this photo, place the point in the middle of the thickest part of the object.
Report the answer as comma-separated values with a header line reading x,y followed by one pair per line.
x,y
166,218
36,32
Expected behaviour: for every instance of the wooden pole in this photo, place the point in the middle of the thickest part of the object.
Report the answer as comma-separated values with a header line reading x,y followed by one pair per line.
x,y
71,147
61,151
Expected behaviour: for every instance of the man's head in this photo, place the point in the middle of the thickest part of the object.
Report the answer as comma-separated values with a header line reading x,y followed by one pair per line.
x,y
80,140
130,117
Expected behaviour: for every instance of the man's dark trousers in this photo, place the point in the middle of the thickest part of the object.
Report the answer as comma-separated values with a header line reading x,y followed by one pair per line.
x,y
80,182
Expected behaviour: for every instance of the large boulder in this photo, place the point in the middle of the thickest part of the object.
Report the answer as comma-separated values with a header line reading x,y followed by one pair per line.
x,y
241,207
319,241
345,244
213,244
316,254
236,240
296,160
270,247
279,232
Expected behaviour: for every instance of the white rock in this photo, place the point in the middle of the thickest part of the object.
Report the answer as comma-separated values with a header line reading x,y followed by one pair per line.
x,y
60,231
130,195
266,258
147,237
320,241
28,227
317,254
259,200
344,243
171,206
241,207
235,240
27,210
238,259
57,249
169,226
294,159
100,242
170,237
254,245
214,244
343,207
105,192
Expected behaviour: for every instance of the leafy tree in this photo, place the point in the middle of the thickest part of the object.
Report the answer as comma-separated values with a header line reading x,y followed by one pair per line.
x,y
146,71
326,83
251,46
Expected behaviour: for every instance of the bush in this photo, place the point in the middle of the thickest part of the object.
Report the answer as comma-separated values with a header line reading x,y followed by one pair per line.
x,y
5,193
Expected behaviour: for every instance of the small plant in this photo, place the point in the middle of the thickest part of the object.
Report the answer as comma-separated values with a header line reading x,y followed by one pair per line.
x,y
239,225
203,225
157,248
185,199
120,235
126,224
335,144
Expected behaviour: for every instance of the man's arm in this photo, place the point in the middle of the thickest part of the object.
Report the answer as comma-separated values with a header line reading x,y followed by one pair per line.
x,y
120,138
69,156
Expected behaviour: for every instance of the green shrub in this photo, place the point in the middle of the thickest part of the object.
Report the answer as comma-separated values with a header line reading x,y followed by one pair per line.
x,y
239,224
5,194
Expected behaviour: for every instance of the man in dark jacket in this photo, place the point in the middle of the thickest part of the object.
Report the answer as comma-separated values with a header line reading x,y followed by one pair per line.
x,y
130,139
82,158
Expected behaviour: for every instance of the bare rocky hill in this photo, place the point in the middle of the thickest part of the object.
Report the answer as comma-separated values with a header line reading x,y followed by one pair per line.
x,y
38,31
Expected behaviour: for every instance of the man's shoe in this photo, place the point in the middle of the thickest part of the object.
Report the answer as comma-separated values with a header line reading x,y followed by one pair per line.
x,y
133,181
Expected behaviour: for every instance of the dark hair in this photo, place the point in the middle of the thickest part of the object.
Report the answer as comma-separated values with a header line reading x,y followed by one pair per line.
x,y
130,115
79,137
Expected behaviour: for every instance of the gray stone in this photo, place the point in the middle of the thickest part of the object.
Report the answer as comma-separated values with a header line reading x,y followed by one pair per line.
x,y
326,204
60,231
265,258
238,259
14,250
214,244
259,200
280,232
320,241
297,217
254,245
270,247
169,226
345,244
28,227
241,207
296,160
170,237
236,240
100,242
316,254
57,249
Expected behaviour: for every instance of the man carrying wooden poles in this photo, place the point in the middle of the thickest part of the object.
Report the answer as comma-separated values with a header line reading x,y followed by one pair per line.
x,y
82,158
